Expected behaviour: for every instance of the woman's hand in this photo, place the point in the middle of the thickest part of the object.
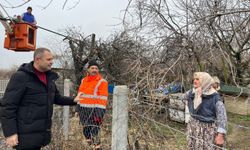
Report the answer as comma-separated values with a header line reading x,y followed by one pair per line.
x,y
219,139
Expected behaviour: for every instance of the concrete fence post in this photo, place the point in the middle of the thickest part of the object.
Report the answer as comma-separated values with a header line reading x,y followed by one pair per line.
x,y
66,110
120,118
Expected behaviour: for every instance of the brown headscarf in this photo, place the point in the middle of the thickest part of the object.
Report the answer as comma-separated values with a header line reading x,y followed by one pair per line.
x,y
205,88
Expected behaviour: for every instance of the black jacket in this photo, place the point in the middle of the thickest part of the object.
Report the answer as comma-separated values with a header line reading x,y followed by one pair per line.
x,y
27,107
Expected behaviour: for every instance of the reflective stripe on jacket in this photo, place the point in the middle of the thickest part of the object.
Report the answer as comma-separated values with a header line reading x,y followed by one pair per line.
x,y
94,91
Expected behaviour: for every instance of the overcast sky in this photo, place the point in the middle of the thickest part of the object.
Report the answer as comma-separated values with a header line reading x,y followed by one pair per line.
x,y
93,16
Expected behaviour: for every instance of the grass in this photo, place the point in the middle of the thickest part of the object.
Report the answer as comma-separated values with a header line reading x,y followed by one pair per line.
x,y
238,136
161,137
154,136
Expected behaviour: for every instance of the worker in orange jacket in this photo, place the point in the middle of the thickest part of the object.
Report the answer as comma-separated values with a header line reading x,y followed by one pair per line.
x,y
92,100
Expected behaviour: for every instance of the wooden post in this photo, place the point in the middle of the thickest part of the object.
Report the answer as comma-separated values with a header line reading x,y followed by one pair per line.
x,y
120,118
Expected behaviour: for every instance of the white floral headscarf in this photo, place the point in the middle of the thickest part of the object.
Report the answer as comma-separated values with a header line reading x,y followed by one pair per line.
x,y
205,88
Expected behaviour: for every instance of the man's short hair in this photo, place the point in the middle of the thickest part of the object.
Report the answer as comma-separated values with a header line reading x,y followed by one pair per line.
x,y
29,8
39,52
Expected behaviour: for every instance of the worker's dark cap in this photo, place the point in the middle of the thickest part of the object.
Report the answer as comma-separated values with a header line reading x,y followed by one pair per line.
x,y
29,8
92,63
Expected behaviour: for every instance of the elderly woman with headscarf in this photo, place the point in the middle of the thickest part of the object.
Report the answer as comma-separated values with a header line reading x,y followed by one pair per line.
x,y
207,125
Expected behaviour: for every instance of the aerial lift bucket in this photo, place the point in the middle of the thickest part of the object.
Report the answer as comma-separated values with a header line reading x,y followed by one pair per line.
x,y
22,39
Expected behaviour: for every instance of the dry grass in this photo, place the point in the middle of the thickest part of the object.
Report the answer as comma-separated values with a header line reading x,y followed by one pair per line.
x,y
76,139
147,135
239,105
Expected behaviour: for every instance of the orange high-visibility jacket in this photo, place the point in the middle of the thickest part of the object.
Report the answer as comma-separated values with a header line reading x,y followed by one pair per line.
x,y
95,92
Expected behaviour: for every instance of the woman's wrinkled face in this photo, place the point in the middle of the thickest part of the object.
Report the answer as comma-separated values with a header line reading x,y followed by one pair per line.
x,y
196,83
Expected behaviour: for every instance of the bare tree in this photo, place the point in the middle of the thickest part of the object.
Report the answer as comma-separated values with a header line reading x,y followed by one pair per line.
x,y
199,30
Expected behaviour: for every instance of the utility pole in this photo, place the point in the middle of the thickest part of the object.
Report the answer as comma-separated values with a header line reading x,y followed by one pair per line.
x,y
92,46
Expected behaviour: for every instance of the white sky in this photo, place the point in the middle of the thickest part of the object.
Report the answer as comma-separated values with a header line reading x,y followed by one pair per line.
x,y
93,16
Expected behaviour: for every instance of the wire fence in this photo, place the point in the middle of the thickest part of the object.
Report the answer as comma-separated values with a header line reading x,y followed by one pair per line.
x,y
150,127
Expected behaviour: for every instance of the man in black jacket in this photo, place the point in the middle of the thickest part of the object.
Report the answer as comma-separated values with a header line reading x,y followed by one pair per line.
x,y
27,104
